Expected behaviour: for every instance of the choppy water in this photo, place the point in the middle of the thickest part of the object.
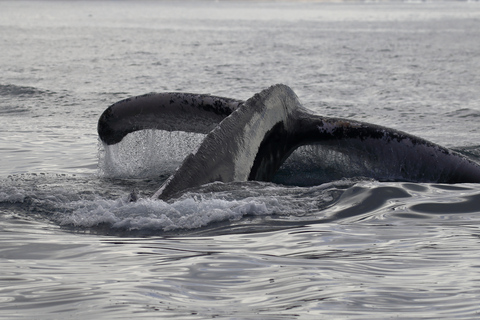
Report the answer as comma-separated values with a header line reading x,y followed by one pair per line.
x,y
73,246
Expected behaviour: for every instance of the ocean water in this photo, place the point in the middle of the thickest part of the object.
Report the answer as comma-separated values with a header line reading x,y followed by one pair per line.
x,y
73,246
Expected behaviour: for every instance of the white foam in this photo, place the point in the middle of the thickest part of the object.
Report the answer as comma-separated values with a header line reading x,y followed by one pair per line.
x,y
147,214
74,202
12,195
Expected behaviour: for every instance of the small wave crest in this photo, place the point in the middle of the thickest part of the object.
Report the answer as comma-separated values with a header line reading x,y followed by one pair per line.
x,y
14,93
464,113
18,91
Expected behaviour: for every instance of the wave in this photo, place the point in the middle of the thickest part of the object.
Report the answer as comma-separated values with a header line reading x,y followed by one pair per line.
x,y
19,91
11,110
103,206
13,92
99,205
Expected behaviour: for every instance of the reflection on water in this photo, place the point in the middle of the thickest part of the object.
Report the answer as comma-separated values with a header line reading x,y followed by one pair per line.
x,y
375,267
377,252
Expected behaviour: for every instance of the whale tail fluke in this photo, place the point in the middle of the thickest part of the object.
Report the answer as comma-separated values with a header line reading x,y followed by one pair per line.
x,y
251,140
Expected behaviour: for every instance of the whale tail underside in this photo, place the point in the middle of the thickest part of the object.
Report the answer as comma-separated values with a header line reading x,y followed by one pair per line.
x,y
251,140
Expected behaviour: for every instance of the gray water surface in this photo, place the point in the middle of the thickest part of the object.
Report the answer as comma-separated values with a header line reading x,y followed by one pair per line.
x,y
73,246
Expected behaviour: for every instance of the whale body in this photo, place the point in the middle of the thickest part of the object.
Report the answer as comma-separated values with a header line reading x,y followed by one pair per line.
x,y
250,140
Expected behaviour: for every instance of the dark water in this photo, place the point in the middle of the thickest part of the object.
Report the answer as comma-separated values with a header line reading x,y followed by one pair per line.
x,y
73,246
